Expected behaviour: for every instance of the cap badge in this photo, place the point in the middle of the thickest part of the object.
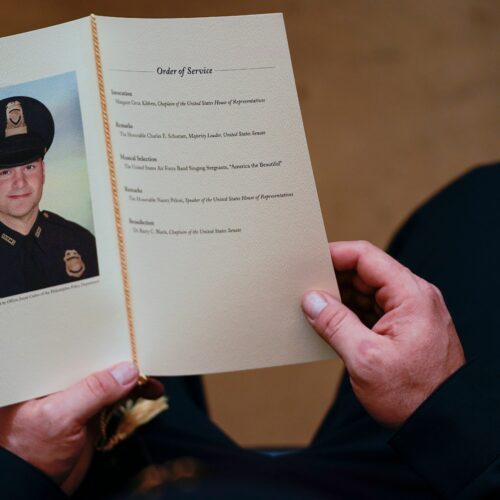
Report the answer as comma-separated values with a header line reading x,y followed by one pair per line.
x,y
75,266
15,119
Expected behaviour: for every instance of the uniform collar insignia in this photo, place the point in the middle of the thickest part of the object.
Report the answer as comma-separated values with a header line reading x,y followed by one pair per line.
x,y
9,236
36,229
38,232
8,239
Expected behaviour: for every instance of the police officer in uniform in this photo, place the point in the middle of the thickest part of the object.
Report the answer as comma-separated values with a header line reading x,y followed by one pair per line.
x,y
38,249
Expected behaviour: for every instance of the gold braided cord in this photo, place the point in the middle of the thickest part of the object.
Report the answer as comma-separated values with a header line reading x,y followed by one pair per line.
x,y
114,189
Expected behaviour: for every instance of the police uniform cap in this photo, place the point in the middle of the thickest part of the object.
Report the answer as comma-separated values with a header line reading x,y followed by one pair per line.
x,y
26,131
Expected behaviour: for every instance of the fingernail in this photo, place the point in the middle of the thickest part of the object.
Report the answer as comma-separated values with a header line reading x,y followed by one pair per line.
x,y
124,373
313,304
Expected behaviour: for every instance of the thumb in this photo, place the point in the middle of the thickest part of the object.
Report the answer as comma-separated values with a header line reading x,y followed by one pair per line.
x,y
86,398
336,323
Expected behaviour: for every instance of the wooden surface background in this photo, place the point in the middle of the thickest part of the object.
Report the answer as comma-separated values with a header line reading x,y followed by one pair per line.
x,y
398,97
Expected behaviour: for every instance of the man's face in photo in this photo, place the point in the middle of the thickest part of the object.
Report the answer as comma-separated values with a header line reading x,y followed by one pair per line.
x,y
21,189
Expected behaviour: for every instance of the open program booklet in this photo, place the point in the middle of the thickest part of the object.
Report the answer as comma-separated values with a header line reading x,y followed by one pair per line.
x,y
177,222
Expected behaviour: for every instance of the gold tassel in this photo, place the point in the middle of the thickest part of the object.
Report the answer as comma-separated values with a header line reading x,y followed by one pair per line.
x,y
131,414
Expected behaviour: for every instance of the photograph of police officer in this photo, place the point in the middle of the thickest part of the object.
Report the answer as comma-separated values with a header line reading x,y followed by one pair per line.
x,y
38,248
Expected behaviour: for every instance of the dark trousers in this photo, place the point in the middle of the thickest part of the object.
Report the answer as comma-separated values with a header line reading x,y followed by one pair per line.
x,y
451,241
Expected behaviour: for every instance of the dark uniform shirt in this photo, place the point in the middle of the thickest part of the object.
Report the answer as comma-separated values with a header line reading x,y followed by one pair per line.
x,y
56,251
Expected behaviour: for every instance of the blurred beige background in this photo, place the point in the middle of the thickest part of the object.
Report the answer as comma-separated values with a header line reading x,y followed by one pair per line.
x,y
398,97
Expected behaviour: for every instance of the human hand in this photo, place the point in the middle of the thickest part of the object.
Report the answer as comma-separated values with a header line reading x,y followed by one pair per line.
x,y
57,433
410,345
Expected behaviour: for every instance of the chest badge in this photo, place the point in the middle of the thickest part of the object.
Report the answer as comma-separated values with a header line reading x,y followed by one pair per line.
x,y
75,266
